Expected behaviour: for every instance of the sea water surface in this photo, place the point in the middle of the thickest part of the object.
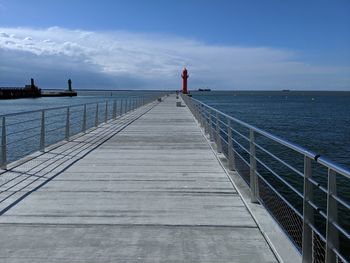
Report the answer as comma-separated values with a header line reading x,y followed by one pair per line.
x,y
316,120
84,96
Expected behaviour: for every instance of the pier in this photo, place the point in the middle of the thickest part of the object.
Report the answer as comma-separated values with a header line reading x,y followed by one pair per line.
x,y
153,184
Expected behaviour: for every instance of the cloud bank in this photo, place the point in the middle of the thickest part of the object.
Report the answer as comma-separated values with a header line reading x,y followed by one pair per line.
x,y
124,60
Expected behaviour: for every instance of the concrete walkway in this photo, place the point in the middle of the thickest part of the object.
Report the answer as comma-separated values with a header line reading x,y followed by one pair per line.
x,y
153,192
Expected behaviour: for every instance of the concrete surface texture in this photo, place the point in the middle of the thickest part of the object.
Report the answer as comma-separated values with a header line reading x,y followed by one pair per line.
x,y
151,190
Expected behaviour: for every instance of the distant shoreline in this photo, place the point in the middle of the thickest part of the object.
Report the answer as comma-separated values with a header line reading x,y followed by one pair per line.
x,y
196,90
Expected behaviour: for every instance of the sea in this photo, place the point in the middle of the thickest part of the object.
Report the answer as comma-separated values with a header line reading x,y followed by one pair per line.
x,y
316,120
84,96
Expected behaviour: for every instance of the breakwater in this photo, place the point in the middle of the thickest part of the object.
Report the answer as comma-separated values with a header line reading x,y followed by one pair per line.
x,y
19,92
32,91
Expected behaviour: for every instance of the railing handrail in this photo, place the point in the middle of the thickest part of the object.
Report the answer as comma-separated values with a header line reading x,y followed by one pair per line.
x,y
64,107
318,158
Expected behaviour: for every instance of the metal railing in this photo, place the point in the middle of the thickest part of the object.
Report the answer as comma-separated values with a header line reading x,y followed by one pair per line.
x,y
27,132
308,195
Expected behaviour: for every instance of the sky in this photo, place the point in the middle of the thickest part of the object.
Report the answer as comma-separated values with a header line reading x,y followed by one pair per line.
x,y
139,44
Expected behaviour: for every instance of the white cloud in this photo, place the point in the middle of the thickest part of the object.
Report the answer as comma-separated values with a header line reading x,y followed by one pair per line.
x,y
129,60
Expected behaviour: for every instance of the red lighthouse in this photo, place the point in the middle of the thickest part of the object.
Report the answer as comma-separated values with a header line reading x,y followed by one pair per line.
x,y
184,81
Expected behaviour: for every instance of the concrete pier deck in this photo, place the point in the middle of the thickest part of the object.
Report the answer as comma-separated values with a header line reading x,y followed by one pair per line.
x,y
149,190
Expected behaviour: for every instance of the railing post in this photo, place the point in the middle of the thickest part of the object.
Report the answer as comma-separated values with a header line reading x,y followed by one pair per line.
x,y
3,145
96,117
125,106
332,236
114,109
121,107
106,112
195,110
252,163
42,131
83,129
230,153
198,117
67,123
218,134
308,213
211,133
201,114
206,120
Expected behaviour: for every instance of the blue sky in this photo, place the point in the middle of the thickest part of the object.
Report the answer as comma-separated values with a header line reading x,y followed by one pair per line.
x,y
144,44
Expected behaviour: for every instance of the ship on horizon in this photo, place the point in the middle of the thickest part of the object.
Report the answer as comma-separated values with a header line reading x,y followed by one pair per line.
x,y
206,89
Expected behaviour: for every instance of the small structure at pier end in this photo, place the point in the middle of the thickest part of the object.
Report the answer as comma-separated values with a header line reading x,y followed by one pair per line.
x,y
32,91
66,93
184,81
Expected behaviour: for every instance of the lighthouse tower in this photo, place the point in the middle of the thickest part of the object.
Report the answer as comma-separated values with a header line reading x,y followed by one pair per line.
x,y
184,81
